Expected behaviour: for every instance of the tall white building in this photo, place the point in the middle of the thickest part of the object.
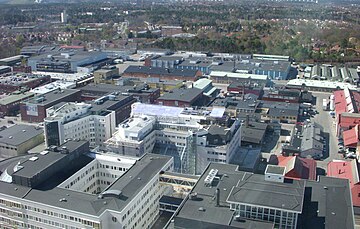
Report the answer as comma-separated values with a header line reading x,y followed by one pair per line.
x,y
190,136
104,191
82,121
64,17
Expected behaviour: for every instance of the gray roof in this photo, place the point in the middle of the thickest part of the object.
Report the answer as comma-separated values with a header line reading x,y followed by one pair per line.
x,y
182,94
327,204
31,168
236,186
145,168
18,134
276,112
161,71
252,189
311,137
51,97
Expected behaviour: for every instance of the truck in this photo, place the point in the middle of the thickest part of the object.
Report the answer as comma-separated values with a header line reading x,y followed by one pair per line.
x,y
325,104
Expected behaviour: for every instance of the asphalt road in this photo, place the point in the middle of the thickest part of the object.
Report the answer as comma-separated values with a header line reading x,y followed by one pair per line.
x,y
327,122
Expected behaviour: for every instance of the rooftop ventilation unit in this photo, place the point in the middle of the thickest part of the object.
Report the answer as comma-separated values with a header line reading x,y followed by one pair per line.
x,y
210,177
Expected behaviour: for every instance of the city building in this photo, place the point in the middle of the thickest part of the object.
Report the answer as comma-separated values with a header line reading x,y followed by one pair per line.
x,y
333,73
193,137
170,30
18,139
21,82
279,111
34,109
165,61
207,87
65,62
56,85
106,75
296,167
161,73
225,197
194,63
5,69
236,106
347,109
352,137
317,85
281,95
13,60
230,77
92,122
183,97
63,17
10,104
348,170
245,87
94,191
253,133
141,92
307,141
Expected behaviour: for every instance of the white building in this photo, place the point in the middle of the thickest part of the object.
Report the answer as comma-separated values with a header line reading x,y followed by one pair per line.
x,y
127,190
82,121
184,133
64,17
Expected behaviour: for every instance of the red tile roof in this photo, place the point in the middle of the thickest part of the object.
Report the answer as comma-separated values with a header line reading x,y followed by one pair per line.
x,y
351,137
347,170
298,168
348,120
340,102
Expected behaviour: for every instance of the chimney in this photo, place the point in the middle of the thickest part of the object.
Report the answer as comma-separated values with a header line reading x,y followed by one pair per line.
x,y
247,121
217,197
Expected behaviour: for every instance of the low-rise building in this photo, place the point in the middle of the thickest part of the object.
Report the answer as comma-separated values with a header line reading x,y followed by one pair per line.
x,y
141,92
65,62
106,75
282,95
347,170
245,87
18,139
183,97
296,167
230,77
225,197
207,87
34,109
21,82
10,105
306,141
57,85
161,73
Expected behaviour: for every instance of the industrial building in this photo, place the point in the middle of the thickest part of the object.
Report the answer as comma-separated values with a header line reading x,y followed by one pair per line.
x,y
65,62
10,105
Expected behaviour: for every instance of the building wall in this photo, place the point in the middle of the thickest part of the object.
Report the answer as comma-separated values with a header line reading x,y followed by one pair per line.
x,y
281,218
41,109
22,213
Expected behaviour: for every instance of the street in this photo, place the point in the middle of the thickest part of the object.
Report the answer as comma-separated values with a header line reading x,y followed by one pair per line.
x,y
327,122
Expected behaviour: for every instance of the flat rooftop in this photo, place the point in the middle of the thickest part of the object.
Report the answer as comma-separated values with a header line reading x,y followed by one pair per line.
x,y
52,96
53,86
15,98
45,160
146,168
180,94
18,134
19,79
